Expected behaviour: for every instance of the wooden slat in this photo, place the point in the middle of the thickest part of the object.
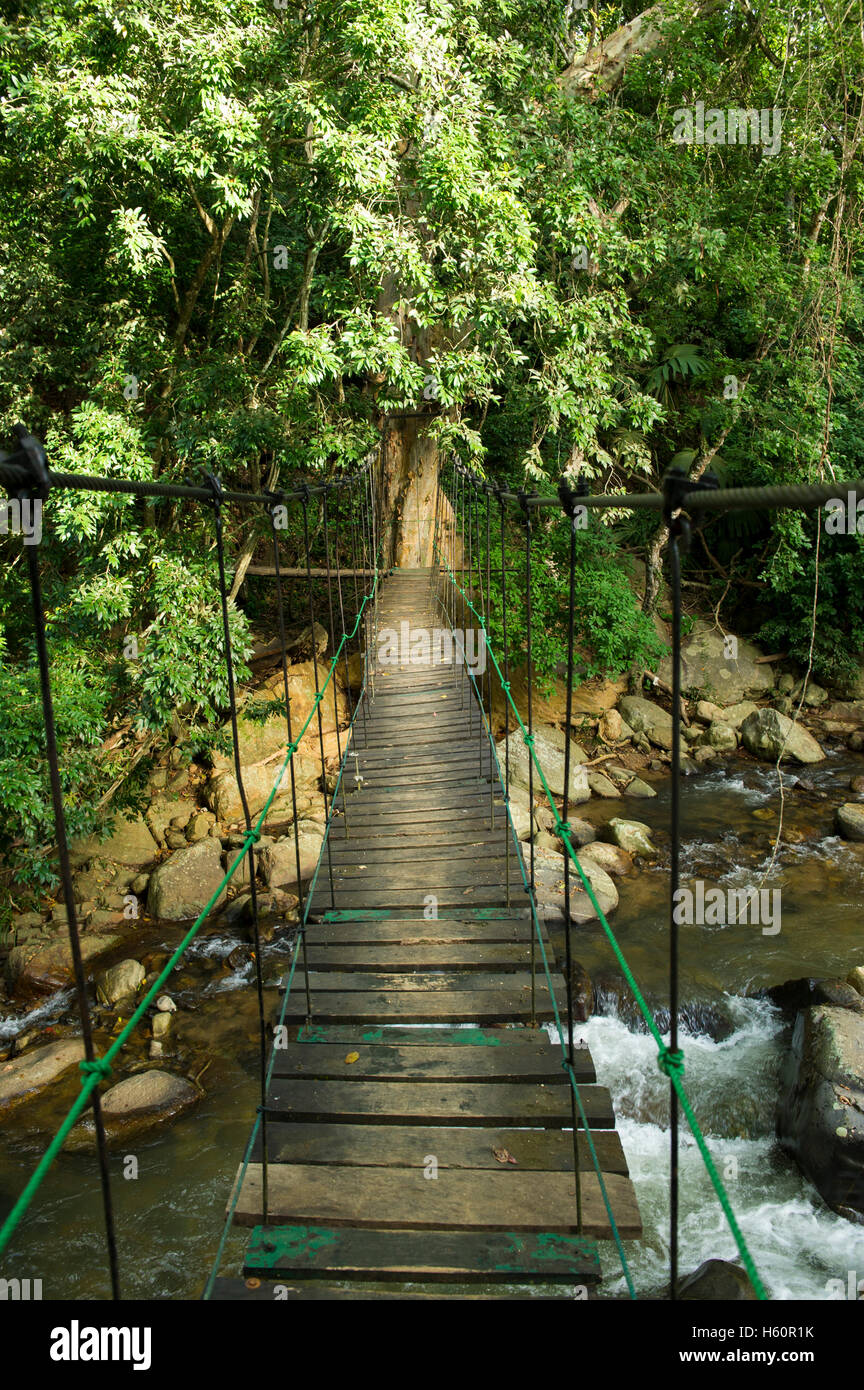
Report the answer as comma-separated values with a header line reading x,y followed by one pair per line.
x,y
425,1037
436,1103
403,1199
272,1289
418,1006
420,933
517,983
379,1062
402,1146
484,955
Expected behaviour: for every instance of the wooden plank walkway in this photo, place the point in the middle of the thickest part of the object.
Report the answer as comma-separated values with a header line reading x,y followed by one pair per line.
x,y
419,1127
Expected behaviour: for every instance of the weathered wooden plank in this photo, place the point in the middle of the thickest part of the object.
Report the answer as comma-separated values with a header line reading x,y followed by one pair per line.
x,y
419,874
403,1146
418,1006
272,1289
439,1036
436,1103
464,1200
440,933
483,955
516,983
379,1062
356,852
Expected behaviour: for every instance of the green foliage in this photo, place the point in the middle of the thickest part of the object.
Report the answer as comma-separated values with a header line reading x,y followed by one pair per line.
x,y
26,813
237,234
611,633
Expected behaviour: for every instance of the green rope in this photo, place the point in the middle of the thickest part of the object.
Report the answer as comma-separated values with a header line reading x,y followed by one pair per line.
x,y
671,1063
229,1216
100,1068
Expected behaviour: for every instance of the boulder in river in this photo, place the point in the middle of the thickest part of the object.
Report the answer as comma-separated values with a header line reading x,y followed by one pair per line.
x,y
767,731
633,836
551,759
794,995
706,666
855,978
34,968
850,821
721,736
27,1074
549,881
636,787
279,861
610,858
717,1281
821,1114
137,1103
182,887
119,981
644,717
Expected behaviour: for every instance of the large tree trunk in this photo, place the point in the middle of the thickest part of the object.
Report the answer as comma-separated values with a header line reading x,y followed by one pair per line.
x,y
409,477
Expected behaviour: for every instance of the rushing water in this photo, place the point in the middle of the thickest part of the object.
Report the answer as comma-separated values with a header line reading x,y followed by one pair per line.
x,y
733,1042
169,1216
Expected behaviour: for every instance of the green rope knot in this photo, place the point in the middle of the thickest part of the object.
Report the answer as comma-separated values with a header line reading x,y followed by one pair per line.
x,y
505,685
563,829
528,739
671,1062
292,749
98,1067
253,836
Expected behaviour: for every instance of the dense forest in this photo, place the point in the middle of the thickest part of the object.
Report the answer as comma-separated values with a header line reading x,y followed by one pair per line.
x,y
277,240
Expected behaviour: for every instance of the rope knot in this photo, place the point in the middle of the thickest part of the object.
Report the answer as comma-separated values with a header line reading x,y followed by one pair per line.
x,y
98,1067
671,1062
529,739
253,836
563,829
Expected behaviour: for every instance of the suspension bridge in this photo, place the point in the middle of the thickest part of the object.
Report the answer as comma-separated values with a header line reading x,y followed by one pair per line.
x,y
417,1126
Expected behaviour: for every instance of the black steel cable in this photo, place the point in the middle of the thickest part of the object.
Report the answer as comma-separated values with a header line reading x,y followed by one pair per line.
x,y
529,677
216,501
69,898
271,510
305,505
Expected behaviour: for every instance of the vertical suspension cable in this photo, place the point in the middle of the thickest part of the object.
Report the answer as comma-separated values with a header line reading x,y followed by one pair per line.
x,y
523,501
567,495
675,830
348,693
506,655
361,628
91,1061
271,509
216,488
468,586
485,653
304,502
325,509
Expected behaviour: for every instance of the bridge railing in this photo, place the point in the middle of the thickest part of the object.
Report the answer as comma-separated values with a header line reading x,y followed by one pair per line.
x,y
26,476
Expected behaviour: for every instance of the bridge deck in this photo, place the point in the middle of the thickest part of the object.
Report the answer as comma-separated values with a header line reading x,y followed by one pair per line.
x,y
437,1156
